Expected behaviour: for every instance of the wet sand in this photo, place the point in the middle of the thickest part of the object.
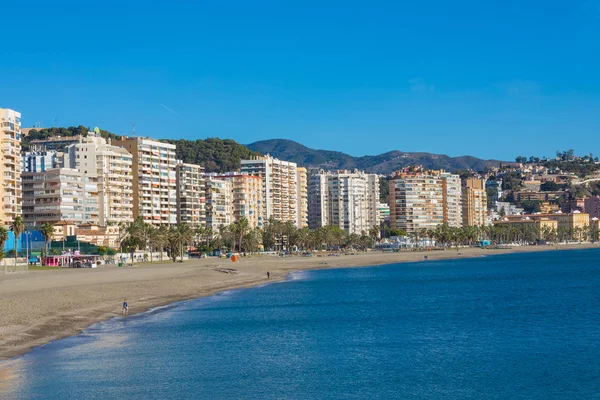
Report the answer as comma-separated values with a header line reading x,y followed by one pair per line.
x,y
43,306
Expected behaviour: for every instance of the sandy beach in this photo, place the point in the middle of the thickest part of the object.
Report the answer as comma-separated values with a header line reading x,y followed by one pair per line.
x,y
46,305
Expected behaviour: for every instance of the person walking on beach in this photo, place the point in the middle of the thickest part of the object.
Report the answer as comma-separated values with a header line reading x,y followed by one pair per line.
x,y
125,307
268,275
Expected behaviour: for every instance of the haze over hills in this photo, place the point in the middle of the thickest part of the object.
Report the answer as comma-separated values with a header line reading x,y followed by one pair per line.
x,y
385,163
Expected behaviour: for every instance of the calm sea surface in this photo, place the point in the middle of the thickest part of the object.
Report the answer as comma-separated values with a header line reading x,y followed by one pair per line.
x,y
501,327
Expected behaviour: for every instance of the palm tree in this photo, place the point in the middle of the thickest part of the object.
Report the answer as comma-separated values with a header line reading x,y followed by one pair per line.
x,y
17,227
156,240
47,230
240,228
180,235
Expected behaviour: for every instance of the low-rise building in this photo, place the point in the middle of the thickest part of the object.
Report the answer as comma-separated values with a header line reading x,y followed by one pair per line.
x,y
97,235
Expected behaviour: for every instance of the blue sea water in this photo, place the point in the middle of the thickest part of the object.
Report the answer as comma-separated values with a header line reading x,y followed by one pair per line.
x,y
522,326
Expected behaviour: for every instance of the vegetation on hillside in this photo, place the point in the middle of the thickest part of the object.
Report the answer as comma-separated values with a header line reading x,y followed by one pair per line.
x,y
214,154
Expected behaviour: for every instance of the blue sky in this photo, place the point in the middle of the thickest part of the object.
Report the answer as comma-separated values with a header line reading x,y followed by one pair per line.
x,y
490,79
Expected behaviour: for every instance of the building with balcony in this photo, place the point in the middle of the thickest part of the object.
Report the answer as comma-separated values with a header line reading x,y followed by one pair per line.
x,y
451,199
111,168
154,180
191,195
10,187
280,187
59,194
247,192
416,201
54,143
423,199
219,203
302,193
474,202
344,199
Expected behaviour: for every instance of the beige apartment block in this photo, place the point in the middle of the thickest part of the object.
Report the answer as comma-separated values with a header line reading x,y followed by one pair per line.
x,y
59,194
247,197
474,202
10,187
280,187
191,195
219,203
110,167
154,180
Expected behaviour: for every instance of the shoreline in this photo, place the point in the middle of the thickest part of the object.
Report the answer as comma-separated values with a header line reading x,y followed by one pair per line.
x,y
49,305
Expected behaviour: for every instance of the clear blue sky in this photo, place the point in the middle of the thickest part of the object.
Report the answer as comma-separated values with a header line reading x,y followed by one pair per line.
x,y
493,79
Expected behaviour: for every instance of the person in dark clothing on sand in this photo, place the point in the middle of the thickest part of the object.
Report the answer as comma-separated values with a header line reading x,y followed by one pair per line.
x,y
268,275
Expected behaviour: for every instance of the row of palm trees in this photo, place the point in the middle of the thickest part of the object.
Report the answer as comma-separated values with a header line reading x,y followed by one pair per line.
x,y
524,233
285,236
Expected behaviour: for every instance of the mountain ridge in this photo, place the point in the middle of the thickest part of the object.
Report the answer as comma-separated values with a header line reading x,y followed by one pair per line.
x,y
384,163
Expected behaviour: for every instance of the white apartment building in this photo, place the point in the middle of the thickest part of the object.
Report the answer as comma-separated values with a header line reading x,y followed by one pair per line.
x,y
10,184
154,180
219,203
59,194
111,168
280,186
344,199
191,195
318,200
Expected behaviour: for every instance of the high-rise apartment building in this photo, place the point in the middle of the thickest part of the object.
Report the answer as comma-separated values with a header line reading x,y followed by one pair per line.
x,y
280,186
10,184
246,198
191,195
302,193
416,201
59,194
219,203
373,200
421,199
318,200
110,167
154,180
474,202
452,203
343,199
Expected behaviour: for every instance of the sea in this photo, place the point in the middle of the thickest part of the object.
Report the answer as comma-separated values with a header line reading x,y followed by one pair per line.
x,y
519,326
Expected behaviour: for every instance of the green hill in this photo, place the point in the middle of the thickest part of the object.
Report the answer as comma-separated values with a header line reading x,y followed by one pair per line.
x,y
216,155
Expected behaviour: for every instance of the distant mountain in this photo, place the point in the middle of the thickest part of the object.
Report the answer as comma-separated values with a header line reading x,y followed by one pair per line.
x,y
385,163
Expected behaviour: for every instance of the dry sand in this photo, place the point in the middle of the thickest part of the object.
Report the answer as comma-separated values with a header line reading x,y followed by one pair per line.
x,y
43,306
